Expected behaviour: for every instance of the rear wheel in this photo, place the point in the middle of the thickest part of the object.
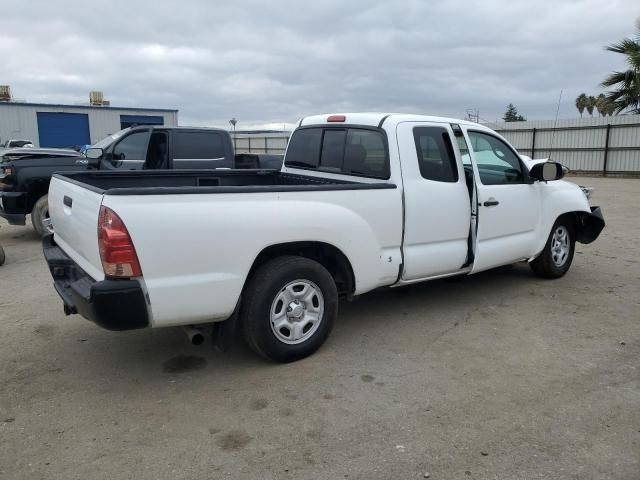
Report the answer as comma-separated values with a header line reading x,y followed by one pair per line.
x,y
556,258
2,257
289,308
40,218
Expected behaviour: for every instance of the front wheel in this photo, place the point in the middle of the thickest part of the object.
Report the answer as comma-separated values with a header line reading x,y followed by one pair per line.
x,y
40,218
556,258
289,308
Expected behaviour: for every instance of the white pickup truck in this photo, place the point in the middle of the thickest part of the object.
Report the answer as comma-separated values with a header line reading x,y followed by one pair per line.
x,y
362,201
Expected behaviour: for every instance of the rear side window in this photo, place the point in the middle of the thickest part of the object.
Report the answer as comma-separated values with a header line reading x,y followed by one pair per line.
x,y
350,151
197,145
435,154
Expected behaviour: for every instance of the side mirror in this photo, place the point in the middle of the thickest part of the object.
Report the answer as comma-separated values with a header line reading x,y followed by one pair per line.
x,y
93,156
93,153
547,171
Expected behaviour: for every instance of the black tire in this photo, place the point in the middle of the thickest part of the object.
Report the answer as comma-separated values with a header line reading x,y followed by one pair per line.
x,y
544,265
2,257
39,214
266,284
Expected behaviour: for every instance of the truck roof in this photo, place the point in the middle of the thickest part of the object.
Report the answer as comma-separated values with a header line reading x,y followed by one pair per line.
x,y
375,119
165,127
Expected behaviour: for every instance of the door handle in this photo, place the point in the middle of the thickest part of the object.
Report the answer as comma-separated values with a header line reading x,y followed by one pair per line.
x,y
492,202
68,201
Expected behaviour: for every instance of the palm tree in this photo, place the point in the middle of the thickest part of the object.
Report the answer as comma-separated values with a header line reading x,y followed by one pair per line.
x,y
591,103
601,105
625,95
233,122
581,103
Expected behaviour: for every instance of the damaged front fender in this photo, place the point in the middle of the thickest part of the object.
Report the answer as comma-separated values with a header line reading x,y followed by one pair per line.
x,y
589,225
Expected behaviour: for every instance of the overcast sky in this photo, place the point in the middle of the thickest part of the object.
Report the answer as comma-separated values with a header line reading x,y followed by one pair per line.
x,y
273,62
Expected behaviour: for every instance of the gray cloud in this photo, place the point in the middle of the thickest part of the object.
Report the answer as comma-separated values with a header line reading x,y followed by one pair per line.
x,y
273,62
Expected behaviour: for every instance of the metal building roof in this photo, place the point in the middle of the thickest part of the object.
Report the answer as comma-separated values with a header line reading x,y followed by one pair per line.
x,y
60,105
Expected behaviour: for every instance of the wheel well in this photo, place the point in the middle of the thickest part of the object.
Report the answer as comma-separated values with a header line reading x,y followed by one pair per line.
x,y
571,217
586,227
36,191
325,254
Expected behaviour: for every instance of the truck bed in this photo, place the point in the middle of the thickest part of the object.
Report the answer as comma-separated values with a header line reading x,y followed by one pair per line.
x,y
155,182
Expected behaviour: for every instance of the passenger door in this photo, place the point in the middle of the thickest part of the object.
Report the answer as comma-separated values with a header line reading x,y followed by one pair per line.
x,y
199,149
509,205
437,203
128,153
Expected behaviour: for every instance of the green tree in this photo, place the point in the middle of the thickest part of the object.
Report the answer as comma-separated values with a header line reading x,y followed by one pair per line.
x,y
581,103
512,115
591,103
625,93
603,105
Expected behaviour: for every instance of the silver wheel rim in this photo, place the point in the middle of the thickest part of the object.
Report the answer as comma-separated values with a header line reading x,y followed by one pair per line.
x,y
46,221
296,312
560,246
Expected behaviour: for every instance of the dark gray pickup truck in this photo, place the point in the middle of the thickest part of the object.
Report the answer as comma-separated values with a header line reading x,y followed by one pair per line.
x,y
25,174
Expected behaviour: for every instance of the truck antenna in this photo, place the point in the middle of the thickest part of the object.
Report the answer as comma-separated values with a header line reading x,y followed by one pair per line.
x,y
555,122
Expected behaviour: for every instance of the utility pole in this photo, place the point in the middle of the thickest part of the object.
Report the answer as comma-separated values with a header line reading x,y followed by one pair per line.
x,y
473,115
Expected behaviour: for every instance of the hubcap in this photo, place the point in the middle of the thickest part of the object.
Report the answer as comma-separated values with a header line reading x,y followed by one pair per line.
x,y
296,312
560,246
46,222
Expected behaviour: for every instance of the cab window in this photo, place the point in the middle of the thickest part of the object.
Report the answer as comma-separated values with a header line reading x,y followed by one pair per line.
x,y
131,151
497,163
435,154
198,145
348,151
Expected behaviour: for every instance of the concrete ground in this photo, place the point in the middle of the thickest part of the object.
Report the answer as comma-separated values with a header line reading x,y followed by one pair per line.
x,y
496,376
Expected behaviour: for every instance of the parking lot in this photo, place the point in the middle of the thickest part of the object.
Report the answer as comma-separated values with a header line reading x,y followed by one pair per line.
x,y
499,375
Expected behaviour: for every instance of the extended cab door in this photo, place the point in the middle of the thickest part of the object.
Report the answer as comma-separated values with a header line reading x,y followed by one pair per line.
x,y
201,149
508,204
437,201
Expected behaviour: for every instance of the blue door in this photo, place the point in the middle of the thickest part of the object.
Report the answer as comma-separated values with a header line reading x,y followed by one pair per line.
x,y
57,130
127,121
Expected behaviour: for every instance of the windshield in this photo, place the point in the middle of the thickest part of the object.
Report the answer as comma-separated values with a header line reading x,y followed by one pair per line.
x,y
105,142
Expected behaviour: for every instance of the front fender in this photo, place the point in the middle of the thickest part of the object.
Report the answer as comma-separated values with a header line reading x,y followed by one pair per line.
x,y
589,225
558,198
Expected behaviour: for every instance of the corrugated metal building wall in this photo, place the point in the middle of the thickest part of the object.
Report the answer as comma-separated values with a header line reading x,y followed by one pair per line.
x,y
593,144
20,120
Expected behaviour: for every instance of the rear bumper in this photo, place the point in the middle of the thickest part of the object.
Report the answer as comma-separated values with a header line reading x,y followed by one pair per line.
x,y
111,304
13,207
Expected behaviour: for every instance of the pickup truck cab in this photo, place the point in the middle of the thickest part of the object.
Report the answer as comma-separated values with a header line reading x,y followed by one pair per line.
x,y
362,201
25,176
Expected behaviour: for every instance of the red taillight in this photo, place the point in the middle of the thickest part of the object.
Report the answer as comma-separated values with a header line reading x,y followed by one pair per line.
x,y
336,118
117,253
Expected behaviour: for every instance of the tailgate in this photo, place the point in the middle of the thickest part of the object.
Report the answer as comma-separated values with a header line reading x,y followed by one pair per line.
x,y
74,211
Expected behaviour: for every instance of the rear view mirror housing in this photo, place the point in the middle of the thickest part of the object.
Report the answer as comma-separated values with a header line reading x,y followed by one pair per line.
x,y
93,153
93,156
547,171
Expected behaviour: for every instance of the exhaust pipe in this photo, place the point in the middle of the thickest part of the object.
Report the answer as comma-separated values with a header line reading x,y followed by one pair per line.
x,y
196,337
